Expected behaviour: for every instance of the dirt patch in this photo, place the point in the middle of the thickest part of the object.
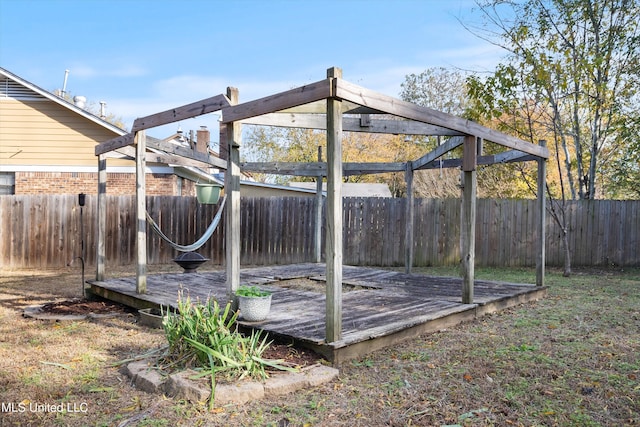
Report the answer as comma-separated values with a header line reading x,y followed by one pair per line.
x,y
312,285
83,306
295,356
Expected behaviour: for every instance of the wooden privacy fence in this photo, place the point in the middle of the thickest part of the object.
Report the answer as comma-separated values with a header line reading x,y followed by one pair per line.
x,y
44,231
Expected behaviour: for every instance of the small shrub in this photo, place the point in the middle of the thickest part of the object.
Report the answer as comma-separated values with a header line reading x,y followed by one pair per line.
x,y
204,337
251,291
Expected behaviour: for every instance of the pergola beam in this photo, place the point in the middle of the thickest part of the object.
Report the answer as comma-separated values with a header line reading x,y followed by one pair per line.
x,y
492,159
439,151
114,144
303,95
429,161
171,154
203,158
350,124
366,97
188,111
320,168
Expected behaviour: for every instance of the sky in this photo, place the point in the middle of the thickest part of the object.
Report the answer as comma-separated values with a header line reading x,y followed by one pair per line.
x,y
146,56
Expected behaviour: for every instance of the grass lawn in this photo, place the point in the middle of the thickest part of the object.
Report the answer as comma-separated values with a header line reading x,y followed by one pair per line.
x,y
572,359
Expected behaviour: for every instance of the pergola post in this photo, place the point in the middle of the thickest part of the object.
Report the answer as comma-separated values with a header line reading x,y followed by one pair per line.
x,y
409,212
141,209
232,190
102,217
334,216
542,212
468,217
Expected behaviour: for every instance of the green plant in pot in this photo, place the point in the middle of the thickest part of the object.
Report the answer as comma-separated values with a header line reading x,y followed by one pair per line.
x,y
254,303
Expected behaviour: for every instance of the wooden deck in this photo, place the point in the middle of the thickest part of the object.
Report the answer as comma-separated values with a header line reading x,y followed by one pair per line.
x,y
380,308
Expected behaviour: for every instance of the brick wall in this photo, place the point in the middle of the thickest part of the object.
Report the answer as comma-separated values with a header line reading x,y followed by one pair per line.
x,y
85,182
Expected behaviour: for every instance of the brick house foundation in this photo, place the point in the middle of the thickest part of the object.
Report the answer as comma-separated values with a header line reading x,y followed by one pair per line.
x,y
157,184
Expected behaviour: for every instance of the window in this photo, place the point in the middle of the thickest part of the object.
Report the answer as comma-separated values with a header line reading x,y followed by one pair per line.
x,y
7,183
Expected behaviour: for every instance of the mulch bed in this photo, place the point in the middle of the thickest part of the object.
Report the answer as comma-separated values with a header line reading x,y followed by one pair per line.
x,y
83,307
297,356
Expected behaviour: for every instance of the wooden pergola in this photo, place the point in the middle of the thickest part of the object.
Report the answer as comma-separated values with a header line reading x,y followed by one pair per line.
x,y
336,106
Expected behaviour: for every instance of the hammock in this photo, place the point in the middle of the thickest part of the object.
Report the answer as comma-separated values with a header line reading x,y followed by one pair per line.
x,y
198,243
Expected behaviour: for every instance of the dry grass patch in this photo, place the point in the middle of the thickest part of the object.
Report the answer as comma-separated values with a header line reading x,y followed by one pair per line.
x,y
571,359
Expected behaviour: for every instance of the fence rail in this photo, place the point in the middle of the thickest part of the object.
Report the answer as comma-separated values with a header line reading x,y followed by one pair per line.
x,y
45,231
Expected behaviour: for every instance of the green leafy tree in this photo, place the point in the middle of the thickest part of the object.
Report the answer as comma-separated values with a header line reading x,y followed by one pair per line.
x,y
570,77
577,62
623,171
445,90
273,144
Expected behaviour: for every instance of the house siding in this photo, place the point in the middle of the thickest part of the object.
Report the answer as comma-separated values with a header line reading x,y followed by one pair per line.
x,y
39,133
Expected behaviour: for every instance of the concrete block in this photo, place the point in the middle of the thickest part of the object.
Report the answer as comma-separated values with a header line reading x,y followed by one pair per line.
x,y
150,380
242,392
320,374
134,368
280,384
182,386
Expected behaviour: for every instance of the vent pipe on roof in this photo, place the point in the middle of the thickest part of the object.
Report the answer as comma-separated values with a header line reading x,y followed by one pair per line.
x,y
103,110
64,84
80,101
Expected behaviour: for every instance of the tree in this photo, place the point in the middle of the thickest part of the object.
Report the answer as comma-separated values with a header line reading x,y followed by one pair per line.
x,y
579,59
272,144
446,90
439,88
623,172
570,77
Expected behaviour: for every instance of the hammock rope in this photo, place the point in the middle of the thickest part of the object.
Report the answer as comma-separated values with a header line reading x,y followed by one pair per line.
x,y
198,243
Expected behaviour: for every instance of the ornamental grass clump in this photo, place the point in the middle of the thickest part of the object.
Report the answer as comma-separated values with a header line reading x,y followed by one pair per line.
x,y
204,337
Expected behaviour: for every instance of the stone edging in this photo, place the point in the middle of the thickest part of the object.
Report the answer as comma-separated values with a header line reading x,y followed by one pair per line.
x,y
181,385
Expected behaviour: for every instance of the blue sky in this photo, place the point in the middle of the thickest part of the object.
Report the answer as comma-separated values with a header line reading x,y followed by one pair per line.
x,y
145,56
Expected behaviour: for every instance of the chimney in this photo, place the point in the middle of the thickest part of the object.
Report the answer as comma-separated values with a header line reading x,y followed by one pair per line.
x,y
203,138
